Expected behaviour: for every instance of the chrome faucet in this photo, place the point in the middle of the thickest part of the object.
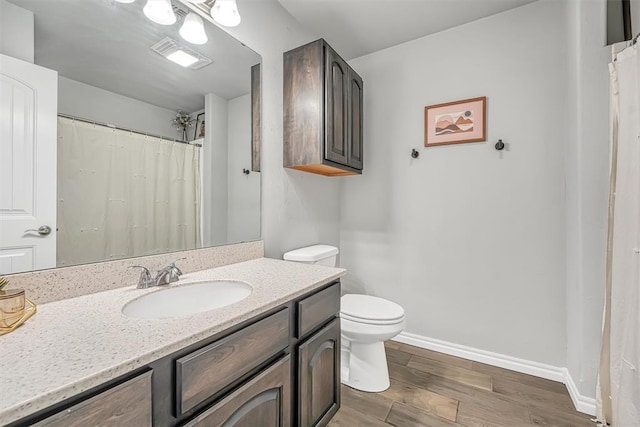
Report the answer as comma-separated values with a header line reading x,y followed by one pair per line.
x,y
169,274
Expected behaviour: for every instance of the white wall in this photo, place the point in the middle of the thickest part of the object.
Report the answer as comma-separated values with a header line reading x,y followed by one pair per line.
x,y
298,208
215,188
587,179
92,103
244,190
16,31
468,240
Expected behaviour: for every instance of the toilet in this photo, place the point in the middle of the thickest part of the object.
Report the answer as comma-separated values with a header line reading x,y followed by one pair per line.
x,y
366,323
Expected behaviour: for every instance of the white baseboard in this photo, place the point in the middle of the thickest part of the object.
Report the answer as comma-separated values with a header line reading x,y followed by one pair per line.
x,y
582,403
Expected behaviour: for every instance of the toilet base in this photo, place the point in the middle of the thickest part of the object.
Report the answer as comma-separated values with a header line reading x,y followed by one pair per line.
x,y
364,366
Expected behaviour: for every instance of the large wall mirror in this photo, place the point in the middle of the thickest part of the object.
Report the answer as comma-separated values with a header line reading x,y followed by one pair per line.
x,y
132,176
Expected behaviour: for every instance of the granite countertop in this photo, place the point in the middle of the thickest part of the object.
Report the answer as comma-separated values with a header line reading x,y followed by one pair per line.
x,y
73,345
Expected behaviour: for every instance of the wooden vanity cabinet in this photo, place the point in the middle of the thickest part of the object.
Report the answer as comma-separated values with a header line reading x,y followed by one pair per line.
x,y
264,401
278,369
126,404
319,376
322,112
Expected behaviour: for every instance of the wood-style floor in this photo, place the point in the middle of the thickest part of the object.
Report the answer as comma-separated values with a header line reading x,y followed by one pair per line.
x,y
435,389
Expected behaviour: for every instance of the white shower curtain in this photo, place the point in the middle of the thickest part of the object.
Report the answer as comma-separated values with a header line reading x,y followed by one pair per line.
x,y
122,194
619,375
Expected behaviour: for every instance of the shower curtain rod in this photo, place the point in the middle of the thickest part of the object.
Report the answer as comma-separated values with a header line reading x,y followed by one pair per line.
x,y
80,119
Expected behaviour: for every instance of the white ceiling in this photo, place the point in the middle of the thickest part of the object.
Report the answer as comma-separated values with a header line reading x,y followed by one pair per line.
x,y
358,27
106,44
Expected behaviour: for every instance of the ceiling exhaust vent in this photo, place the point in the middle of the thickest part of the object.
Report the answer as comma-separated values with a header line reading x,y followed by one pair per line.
x,y
169,48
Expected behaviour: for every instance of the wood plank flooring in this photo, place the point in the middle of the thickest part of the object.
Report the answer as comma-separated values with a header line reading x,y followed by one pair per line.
x,y
435,389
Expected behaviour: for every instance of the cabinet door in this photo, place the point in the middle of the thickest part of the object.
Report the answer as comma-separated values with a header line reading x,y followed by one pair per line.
x,y
319,376
336,101
264,401
355,140
127,404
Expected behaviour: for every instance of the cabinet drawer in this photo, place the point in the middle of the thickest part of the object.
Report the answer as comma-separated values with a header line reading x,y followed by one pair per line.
x,y
264,401
205,372
127,404
315,310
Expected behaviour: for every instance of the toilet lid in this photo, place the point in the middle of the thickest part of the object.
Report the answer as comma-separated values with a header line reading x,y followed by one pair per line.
x,y
367,308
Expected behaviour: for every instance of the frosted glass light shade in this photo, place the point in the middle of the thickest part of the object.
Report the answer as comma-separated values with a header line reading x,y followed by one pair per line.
x,y
125,1
160,12
225,12
192,29
197,1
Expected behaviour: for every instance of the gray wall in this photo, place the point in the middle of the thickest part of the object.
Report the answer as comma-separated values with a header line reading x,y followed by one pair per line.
x,y
16,31
92,103
470,241
587,188
215,187
244,190
298,208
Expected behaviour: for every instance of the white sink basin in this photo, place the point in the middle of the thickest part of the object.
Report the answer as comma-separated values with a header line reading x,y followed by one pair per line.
x,y
187,299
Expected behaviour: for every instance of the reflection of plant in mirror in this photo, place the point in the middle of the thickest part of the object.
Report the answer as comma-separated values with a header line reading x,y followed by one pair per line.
x,y
182,121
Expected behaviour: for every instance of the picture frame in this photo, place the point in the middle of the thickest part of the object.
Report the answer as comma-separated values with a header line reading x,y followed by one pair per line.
x,y
455,122
200,128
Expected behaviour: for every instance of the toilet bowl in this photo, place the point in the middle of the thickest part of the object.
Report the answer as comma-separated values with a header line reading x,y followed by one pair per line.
x,y
366,322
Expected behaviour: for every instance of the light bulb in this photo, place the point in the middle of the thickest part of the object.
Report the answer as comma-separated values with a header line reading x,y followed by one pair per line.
x,y
225,12
160,12
192,29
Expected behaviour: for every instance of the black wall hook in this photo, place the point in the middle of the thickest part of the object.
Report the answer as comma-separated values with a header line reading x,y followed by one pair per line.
x,y
415,153
246,171
499,145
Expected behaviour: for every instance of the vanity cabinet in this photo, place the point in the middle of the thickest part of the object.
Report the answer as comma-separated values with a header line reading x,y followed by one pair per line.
x,y
264,401
206,371
322,112
278,369
127,404
319,376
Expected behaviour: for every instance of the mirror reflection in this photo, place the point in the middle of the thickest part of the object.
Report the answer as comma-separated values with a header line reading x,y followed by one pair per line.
x,y
152,152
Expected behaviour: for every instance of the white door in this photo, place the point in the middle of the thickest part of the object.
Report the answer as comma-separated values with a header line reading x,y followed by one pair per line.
x,y
28,135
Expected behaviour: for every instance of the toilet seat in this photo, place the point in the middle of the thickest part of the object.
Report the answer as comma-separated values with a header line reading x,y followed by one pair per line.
x,y
370,310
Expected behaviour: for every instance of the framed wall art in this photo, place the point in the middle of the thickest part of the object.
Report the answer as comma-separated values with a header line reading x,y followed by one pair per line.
x,y
455,122
200,130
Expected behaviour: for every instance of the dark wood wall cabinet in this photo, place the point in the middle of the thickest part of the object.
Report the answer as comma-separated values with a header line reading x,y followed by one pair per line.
x,y
279,369
322,112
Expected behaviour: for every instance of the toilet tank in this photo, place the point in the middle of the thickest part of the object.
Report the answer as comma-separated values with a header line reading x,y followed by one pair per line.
x,y
316,254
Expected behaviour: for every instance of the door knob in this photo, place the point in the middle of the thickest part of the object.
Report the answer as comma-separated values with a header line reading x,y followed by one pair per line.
x,y
43,230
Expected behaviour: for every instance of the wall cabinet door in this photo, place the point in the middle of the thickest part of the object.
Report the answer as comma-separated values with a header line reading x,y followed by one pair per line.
x,y
264,401
319,376
355,140
336,104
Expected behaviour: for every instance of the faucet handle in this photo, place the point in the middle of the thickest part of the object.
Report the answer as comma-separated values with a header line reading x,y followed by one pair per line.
x,y
176,270
145,279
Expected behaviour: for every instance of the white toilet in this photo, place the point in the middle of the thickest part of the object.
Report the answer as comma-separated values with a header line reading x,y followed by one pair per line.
x,y
366,322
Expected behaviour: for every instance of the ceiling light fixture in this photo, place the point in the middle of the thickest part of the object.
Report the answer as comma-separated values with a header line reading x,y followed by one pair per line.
x,y
160,12
197,1
125,1
225,12
192,29
181,57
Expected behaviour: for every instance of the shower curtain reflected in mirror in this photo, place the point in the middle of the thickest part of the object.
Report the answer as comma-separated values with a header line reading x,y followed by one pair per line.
x,y
123,194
